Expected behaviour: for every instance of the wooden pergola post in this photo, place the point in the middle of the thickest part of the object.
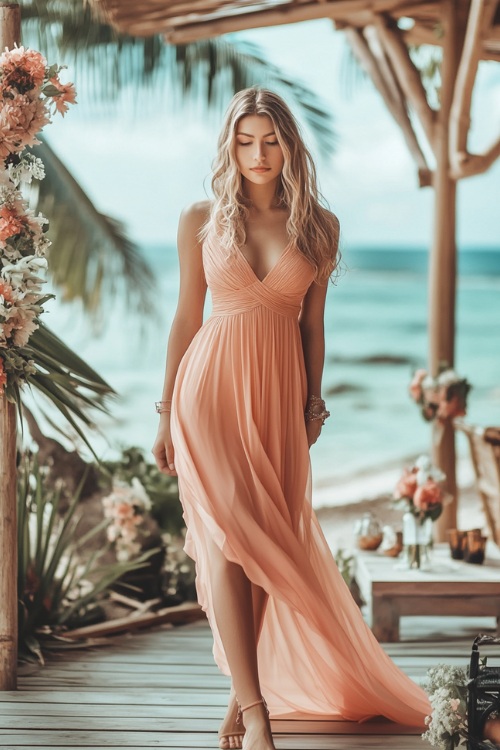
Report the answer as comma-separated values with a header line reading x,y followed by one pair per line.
x,y
10,32
443,261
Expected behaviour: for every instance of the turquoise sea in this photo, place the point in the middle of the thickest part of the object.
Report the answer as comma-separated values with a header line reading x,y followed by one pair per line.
x,y
376,334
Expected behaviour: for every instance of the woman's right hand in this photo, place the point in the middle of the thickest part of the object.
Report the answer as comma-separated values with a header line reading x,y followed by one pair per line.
x,y
163,450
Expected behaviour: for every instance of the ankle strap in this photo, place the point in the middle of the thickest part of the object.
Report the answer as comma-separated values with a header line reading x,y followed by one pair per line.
x,y
239,714
251,705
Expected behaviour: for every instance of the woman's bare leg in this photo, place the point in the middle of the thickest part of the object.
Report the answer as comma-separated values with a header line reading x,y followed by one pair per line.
x,y
234,614
231,741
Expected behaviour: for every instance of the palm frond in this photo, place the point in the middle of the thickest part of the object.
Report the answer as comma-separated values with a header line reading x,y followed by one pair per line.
x,y
90,258
66,381
206,71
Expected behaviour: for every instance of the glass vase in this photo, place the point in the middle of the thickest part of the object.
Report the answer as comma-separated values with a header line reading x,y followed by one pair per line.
x,y
417,541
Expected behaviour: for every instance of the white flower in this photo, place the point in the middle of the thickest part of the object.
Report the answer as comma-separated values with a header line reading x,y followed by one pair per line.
x,y
24,273
28,168
447,377
428,382
141,497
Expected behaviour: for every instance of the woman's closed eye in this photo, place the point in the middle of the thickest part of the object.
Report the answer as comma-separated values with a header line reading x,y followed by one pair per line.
x,y
249,143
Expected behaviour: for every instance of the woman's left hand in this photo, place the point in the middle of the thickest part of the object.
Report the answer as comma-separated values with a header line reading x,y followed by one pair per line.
x,y
313,429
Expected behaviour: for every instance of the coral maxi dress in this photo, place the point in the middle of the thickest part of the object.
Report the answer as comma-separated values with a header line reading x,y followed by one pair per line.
x,y
242,459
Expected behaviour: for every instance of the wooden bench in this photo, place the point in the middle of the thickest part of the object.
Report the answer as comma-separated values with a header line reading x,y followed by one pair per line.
x,y
450,588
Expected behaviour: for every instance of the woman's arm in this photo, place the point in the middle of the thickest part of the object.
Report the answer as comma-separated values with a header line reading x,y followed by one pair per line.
x,y
187,320
312,331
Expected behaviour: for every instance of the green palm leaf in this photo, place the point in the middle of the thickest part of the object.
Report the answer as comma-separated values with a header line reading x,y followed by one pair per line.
x,y
66,381
90,258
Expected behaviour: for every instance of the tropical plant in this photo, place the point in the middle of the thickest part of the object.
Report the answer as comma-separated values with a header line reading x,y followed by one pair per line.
x,y
59,584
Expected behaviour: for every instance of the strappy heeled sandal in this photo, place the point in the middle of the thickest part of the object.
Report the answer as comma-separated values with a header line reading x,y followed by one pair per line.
x,y
241,709
239,719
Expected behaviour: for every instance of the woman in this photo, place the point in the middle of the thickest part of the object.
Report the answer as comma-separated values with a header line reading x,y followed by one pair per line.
x,y
241,406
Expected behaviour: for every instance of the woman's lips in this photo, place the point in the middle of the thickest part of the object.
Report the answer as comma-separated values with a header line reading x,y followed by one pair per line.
x,y
260,169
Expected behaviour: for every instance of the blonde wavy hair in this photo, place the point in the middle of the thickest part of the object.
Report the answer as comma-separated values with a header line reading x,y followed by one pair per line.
x,y
311,226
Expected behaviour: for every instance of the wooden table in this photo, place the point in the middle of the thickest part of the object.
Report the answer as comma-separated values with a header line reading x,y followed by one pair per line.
x,y
451,587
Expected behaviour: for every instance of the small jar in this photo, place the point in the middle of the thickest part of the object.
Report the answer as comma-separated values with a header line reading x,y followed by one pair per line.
x,y
368,532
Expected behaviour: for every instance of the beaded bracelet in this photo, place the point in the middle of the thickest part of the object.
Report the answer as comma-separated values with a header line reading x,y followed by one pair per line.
x,y
162,406
310,415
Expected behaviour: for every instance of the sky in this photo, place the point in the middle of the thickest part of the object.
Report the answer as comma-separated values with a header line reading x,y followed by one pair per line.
x,y
143,164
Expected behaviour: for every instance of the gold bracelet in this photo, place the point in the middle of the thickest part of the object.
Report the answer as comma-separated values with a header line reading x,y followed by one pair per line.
x,y
310,415
162,406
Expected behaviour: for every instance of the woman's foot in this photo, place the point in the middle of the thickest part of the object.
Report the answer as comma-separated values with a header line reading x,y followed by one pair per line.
x,y
231,733
258,729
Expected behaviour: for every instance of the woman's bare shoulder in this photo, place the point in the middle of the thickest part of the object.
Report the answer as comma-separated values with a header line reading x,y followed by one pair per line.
x,y
194,216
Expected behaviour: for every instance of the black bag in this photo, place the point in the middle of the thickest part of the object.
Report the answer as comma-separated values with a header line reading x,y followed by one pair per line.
x,y
483,694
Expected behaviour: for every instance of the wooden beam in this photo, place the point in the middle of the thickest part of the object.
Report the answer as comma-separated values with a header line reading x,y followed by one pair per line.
x,y
396,107
472,164
466,76
408,75
179,30
10,32
462,163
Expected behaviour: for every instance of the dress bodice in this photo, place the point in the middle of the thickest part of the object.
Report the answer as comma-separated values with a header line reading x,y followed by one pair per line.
x,y
235,288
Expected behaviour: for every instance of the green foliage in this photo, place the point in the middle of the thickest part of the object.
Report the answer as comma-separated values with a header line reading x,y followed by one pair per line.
x,y
64,379
59,586
162,489
345,564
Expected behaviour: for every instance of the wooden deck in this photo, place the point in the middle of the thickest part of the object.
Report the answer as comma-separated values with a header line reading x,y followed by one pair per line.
x,y
161,689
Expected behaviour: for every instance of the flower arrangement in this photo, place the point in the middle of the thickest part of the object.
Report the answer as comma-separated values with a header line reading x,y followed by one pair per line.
x,y
30,92
419,490
446,687
448,725
441,398
125,507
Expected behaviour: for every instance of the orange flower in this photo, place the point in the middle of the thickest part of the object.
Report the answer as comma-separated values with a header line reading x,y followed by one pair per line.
x,y
407,484
66,96
23,69
6,291
10,223
427,494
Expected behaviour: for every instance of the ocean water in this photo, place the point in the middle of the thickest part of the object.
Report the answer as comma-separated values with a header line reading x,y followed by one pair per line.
x,y
376,335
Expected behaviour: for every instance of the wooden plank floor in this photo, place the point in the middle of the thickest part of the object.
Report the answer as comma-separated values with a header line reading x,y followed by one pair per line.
x,y
162,689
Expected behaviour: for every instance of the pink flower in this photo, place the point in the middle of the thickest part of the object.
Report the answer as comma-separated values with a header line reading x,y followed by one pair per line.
x,y
407,484
6,291
10,224
454,703
124,510
22,69
66,96
427,494
416,385
23,328
21,118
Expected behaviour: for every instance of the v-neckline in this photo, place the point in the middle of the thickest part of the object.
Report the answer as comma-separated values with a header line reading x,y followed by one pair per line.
x,y
247,262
